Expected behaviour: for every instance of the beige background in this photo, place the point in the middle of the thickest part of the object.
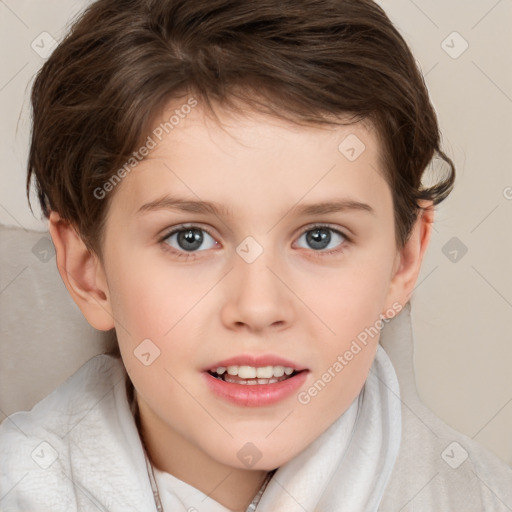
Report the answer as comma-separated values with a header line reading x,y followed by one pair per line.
x,y
463,302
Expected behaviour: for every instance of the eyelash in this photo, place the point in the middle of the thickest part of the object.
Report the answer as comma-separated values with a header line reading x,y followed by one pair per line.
x,y
192,255
181,254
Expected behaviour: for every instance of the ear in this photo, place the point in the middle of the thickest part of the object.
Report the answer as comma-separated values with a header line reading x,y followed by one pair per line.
x,y
82,273
410,258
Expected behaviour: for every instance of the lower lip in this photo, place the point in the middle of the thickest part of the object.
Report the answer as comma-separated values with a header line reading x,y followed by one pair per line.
x,y
256,395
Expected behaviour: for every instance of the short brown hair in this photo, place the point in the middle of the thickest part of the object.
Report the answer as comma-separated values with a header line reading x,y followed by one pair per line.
x,y
95,98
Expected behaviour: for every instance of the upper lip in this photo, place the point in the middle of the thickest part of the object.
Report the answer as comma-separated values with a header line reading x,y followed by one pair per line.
x,y
256,361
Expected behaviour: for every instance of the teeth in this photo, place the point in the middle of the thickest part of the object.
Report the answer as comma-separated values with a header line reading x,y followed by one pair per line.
x,y
252,382
251,372
278,371
265,372
246,372
233,370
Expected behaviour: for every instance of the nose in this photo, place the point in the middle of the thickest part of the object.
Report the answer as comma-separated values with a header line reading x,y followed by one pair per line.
x,y
256,297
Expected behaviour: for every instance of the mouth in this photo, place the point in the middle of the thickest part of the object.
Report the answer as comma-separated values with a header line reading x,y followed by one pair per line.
x,y
255,381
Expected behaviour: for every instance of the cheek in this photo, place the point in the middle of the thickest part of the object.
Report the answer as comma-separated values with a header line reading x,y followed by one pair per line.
x,y
348,299
160,315
349,302
149,298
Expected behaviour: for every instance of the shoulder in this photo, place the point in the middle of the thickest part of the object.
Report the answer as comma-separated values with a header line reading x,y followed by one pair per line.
x,y
437,468
441,469
35,446
60,409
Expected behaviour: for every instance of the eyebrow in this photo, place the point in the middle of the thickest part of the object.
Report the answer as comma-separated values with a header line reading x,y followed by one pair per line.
x,y
205,207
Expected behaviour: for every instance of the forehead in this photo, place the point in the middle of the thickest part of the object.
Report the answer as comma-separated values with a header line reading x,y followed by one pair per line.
x,y
253,160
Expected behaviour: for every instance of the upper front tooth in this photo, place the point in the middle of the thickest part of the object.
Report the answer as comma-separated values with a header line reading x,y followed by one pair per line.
x,y
265,372
251,372
246,372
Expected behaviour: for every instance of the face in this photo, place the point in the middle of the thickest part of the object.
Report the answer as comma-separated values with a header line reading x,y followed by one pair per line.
x,y
242,263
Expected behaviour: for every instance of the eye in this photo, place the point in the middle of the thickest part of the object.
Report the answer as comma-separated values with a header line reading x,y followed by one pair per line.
x,y
190,239
321,238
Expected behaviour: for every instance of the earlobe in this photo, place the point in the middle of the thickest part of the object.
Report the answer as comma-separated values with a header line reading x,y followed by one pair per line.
x,y
410,257
82,273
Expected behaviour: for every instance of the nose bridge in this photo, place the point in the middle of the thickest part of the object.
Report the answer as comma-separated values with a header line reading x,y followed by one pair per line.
x,y
256,298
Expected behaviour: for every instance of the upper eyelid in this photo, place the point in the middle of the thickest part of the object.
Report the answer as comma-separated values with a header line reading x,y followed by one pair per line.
x,y
320,225
184,227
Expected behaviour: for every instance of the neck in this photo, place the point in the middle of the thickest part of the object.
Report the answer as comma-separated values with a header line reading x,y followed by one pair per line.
x,y
234,488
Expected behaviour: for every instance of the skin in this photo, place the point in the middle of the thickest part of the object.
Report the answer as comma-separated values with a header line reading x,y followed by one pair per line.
x,y
293,301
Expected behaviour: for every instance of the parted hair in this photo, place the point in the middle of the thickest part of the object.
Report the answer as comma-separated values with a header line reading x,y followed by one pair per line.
x,y
307,61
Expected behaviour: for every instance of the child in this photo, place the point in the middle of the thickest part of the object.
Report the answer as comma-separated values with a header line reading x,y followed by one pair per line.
x,y
285,141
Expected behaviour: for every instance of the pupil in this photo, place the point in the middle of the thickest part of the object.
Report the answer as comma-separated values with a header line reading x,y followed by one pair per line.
x,y
190,240
318,238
